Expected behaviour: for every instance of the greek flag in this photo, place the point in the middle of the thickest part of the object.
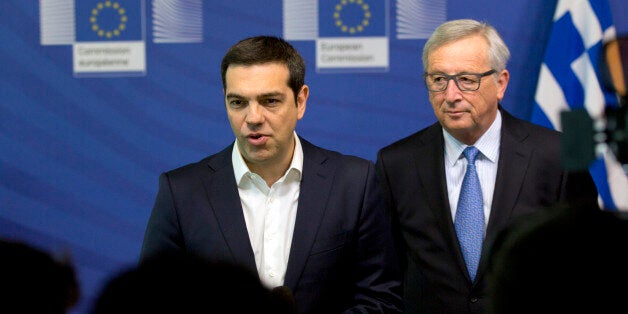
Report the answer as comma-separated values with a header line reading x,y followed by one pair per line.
x,y
570,79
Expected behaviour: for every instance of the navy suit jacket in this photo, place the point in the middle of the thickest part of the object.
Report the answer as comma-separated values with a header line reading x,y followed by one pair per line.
x,y
342,254
412,170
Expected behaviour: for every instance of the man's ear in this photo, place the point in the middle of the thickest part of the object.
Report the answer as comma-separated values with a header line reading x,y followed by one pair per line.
x,y
304,92
502,83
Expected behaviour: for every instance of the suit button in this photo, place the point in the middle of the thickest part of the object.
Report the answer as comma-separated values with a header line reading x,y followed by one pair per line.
x,y
473,300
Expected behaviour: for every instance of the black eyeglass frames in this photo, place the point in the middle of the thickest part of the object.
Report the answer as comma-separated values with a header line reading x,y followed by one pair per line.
x,y
437,82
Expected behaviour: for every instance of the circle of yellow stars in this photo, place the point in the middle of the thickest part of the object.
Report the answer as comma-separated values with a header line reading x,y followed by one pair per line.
x,y
352,29
117,9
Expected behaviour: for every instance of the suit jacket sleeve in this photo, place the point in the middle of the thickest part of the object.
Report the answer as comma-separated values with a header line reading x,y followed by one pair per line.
x,y
344,259
377,273
162,228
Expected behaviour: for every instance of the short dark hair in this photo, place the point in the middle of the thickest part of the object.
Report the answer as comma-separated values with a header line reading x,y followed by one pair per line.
x,y
182,282
34,281
266,49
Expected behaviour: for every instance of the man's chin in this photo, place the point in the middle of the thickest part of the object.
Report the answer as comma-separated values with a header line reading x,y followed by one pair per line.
x,y
456,125
257,156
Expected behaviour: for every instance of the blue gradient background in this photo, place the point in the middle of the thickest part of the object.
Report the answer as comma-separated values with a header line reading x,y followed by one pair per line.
x,y
80,157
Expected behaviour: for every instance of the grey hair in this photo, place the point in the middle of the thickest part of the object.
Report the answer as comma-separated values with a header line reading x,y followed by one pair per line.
x,y
498,53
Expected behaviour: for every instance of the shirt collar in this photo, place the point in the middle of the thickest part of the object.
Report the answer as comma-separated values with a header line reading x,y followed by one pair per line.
x,y
487,144
241,170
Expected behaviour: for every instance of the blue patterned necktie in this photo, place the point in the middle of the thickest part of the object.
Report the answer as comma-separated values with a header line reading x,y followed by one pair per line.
x,y
469,220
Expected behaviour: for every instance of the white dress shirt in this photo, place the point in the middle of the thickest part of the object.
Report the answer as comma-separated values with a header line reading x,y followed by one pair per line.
x,y
270,213
485,164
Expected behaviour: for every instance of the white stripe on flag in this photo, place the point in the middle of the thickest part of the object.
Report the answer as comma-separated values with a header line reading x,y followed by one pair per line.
x,y
585,20
617,181
593,96
550,97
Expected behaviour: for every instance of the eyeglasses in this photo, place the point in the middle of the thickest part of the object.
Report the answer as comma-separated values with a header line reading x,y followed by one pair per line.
x,y
437,82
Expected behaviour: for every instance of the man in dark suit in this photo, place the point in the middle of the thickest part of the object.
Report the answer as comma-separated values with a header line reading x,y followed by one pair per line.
x,y
300,216
516,171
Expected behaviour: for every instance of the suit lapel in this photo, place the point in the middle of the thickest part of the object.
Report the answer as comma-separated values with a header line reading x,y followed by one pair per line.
x,y
514,157
435,183
224,198
315,187
430,152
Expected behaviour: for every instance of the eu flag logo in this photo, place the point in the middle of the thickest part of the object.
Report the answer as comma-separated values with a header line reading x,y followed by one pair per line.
x,y
352,18
108,20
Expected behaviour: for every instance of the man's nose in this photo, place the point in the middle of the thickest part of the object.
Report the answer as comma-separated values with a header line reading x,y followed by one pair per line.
x,y
254,114
452,92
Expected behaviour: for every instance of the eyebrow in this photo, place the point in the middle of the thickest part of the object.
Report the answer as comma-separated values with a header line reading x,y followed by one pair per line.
x,y
264,95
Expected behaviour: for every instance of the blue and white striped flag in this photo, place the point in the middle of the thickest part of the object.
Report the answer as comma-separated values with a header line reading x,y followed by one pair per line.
x,y
570,79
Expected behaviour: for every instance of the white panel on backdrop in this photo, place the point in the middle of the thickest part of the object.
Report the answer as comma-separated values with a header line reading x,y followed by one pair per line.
x,y
56,22
177,21
417,19
300,19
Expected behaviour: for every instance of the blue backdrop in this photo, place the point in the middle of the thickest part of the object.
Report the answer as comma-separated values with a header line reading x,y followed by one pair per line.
x,y
81,150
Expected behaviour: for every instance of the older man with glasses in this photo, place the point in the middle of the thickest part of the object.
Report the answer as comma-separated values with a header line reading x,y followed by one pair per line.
x,y
454,185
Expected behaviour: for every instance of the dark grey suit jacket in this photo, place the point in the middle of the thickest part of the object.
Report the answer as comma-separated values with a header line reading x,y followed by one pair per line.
x,y
529,178
342,255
